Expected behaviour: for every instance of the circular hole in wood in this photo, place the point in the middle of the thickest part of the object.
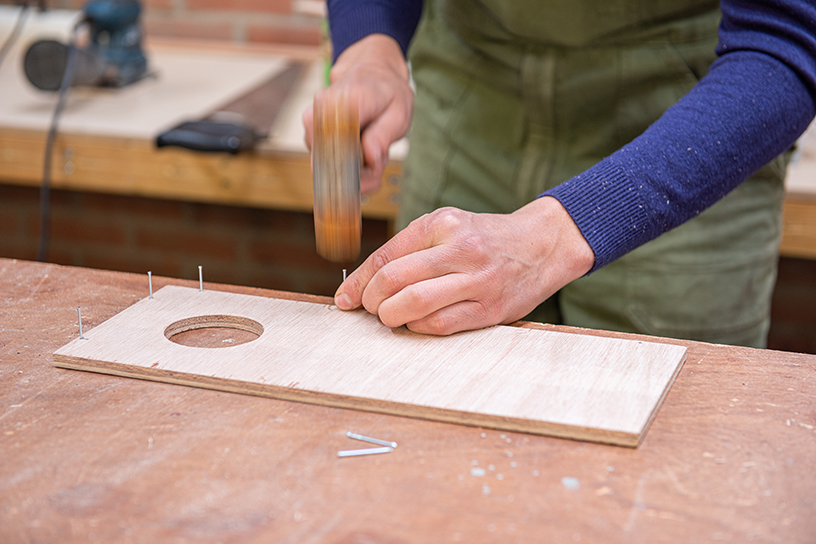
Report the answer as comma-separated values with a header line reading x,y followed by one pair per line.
x,y
213,331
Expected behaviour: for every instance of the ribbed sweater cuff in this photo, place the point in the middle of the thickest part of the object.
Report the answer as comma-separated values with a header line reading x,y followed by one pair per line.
x,y
608,210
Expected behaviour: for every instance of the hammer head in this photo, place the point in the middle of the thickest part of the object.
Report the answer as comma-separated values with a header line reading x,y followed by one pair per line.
x,y
336,177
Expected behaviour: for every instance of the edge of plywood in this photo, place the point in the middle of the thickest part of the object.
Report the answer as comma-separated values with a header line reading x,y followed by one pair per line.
x,y
659,402
617,438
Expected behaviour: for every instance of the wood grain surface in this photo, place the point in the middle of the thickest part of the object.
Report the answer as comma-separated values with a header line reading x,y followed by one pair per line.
x,y
87,457
545,382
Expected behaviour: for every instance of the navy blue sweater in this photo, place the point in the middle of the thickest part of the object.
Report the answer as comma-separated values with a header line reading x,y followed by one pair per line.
x,y
756,100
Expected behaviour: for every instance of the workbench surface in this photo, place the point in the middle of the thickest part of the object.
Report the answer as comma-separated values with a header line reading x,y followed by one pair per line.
x,y
731,456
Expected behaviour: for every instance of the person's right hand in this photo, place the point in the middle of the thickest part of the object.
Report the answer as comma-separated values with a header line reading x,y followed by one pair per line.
x,y
374,72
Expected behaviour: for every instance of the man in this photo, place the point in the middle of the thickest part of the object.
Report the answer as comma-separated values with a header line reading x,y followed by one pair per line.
x,y
587,191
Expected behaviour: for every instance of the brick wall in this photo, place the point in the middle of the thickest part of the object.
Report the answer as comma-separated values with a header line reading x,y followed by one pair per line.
x,y
793,315
242,246
242,21
261,248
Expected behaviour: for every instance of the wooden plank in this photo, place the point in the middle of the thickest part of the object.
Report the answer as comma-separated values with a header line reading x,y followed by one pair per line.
x,y
135,167
544,382
799,227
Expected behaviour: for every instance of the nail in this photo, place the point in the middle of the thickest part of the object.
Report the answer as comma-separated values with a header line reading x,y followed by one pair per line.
x,y
378,441
79,317
364,451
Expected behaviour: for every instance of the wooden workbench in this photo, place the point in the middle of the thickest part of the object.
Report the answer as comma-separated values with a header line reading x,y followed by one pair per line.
x,y
106,136
730,457
799,214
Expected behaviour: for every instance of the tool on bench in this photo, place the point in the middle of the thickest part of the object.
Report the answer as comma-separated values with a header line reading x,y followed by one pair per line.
x,y
336,157
113,56
239,125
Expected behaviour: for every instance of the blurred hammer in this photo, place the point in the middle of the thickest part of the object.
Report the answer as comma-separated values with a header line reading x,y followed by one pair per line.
x,y
336,177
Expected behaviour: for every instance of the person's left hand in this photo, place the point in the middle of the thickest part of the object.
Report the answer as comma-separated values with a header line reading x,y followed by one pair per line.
x,y
452,270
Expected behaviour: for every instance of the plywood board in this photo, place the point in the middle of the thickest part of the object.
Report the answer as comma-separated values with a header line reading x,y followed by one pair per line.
x,y
561,384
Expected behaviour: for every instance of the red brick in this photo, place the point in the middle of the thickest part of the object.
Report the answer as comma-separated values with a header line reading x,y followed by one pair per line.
x,y
77,230
66,226
284,253
17,193
794,305
796,271
322,286
266,6
11,250
278,281
186,29
187,243
8,225
131,205
230,216
261,222
375,229
795,338
163,265
214,270
295,35
61,197
154,5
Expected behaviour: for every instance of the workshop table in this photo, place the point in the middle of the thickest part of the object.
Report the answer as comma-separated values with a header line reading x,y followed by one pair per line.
x,y
106,137
731,455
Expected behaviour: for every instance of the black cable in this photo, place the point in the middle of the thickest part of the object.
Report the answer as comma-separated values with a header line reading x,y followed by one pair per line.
x,y
45,188
15,32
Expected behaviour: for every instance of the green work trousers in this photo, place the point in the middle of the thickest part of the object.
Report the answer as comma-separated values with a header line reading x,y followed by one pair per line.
x,y
510,103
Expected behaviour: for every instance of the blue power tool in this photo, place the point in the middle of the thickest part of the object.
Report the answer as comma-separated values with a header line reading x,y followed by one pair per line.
x,y
113,56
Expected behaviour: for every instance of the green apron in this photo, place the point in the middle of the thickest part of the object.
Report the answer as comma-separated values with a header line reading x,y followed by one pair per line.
x,y
515,97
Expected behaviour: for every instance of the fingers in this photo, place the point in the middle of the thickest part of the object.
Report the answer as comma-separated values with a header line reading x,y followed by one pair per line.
x,y
377,137
412,239
452,270
424,280
421,291
420,300
462,316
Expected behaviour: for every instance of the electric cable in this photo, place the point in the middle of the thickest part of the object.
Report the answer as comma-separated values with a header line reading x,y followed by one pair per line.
x,y
15,32
45,188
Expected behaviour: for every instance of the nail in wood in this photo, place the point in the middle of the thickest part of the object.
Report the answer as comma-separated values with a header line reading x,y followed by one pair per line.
x,y
372,440
150,282
200,279
364,451
79,316
344,274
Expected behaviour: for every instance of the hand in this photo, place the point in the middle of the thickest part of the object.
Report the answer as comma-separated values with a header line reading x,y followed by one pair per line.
x,y
452,270
374,72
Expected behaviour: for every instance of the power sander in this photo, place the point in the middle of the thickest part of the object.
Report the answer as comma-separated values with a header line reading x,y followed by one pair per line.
x,y
113,56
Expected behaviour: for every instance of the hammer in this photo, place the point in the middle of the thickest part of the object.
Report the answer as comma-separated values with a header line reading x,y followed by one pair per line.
x,y
336,177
